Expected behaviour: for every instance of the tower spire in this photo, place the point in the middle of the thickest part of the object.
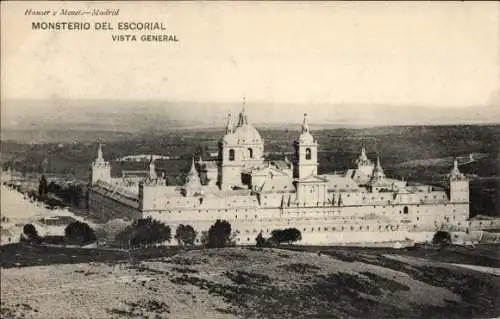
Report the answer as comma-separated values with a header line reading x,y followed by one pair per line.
x,y
229,125
305,124
152,168
455,171
192,180
192,170
378,172
243,118
100,157
363,153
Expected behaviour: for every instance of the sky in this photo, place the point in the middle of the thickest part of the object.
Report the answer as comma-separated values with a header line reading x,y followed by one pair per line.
x,y
440,55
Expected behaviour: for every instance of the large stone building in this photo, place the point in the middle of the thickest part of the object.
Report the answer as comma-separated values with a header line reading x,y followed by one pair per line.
x,y
360,205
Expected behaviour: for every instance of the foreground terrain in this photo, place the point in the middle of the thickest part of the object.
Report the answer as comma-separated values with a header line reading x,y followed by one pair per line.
x,y
255,283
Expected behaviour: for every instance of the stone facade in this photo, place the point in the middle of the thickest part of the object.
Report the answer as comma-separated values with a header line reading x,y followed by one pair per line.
x,y
360,205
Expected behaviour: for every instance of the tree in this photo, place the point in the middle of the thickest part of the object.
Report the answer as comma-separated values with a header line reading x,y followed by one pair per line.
x,y
442,238
145,232
287,235
30,234
292,235
42,187
80,233
185,235
219,234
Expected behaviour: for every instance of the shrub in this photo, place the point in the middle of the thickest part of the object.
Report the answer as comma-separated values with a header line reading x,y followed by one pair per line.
x,y
219,234
185,235
442,238
30,234
80,233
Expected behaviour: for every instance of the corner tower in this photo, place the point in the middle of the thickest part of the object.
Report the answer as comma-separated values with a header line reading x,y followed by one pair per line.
x,y
459,185
100,169
305,161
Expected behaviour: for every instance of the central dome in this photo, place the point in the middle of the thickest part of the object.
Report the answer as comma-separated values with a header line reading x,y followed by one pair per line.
x,y
247,134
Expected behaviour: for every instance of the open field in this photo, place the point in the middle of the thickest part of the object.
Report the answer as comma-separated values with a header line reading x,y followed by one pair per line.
x,y
254,283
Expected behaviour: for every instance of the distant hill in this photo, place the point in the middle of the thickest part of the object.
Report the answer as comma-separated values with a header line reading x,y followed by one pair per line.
x,y
39,116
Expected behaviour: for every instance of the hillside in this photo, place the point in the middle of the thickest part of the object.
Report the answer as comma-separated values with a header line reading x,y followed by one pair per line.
x,y
254,283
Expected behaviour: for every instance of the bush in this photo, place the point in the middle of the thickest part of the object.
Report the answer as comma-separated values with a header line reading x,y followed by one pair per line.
x,y
185,235
442,238
80,233
144,232
30,234
219,234
287,235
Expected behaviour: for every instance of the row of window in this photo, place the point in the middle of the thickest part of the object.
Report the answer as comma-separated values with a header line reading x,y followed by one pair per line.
x,y
326,229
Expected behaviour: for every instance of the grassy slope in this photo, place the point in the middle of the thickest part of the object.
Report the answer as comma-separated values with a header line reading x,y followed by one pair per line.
x,y
254,283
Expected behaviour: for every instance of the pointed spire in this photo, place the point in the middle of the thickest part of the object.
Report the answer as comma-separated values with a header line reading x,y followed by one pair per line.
x,y
229,125
455,171
152,168
379,167
192,170
100,157
192,179
363,154
378,172
305,124
363,160
243,118
200,161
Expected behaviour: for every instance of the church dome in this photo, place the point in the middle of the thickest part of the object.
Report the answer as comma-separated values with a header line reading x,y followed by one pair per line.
x,y
229,138
247,134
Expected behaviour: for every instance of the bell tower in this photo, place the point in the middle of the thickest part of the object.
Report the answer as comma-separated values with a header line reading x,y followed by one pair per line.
x,y
229,161
305,161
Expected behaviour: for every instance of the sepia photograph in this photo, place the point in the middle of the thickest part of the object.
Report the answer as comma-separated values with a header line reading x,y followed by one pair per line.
x,y
250,159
